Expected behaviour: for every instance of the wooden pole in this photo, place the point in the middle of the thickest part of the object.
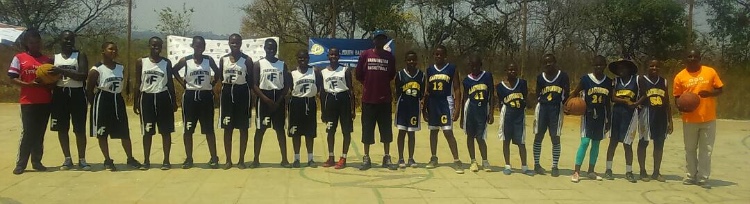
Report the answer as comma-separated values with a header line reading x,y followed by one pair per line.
x,y
524,22
128,57
334,16
691,5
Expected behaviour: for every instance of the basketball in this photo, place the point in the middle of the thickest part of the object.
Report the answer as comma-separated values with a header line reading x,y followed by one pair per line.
x,y
575,106
688,102
45,78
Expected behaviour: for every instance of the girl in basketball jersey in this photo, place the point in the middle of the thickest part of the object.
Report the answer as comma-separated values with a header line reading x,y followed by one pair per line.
x,y
552,86
624,117
156,102
442,87
69,100
306,85
512,94
477,111
338,106
655,119
108,116
271,83
198,99
410,84
235,98
35,101
596,89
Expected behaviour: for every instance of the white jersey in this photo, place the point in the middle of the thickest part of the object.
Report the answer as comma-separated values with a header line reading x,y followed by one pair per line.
x,y
197,76
334,81
110,80
154,75
70,63
304,83
271,75
234,72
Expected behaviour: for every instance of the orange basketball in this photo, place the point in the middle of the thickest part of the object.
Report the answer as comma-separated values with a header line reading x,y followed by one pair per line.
x,y
46,78
688,102
575,106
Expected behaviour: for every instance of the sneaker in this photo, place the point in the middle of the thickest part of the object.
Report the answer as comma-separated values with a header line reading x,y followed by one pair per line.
x,y
67,164
213,163
433,163
366,163
507,171
458,167
285,164
166,166
341,164
312,164
630,177
555,172
658,177
295,164
82,165
486,166
188,163
594,176
401,163
688,181
644,177
703,183
18,170
388,164
134,163
474,167
110,165
529,172
254,164
575,178
38,166
145,166
241,165
539,170
412,163
608,175
227,166
329,162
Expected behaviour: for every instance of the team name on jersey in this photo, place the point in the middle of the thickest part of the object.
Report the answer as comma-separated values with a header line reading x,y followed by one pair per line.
x,y
439,77
232,71
111,79
411,88
304,81
67,67
625,93
201,72
656,92
478,87
377,64
512,97
548,89
157,73
597,90
334,78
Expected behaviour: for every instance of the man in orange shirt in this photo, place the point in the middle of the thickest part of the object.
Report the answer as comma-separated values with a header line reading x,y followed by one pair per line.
x,y
699,125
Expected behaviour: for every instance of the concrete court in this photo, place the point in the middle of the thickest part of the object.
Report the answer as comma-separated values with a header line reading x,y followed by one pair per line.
x,y
272,184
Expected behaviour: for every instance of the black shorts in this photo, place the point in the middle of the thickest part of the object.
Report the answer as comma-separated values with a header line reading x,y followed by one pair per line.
x,y
653,123
379,114
198,107
235,107
624,121
337,108
440,112
593,123
68,106
108,116
264,118
475,120
302,117
548,116
512,125
157,112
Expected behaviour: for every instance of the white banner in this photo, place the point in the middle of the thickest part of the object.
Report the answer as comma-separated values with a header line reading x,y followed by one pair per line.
x,y
178,47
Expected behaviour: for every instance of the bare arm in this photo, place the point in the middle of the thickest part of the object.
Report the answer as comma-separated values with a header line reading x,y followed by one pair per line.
x,y
79,74
170,85
287,83
256,85
352,99
218,75
176,69
91,83
138,81
458,96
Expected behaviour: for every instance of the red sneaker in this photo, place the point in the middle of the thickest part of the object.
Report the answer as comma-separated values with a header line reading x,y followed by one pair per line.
x,y
341,164
329,162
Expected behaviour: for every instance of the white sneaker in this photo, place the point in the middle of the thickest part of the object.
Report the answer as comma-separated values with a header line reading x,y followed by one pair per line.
x,y
474,167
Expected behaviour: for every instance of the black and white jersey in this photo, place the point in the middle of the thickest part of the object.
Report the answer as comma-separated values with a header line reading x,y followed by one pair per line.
x,y
234,72
271,75
110,80
71,64
304,83
154,75
334,81
198,76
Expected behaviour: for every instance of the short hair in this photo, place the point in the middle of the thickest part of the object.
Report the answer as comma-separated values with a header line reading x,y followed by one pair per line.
x,y
600,58
302,51
550,55
28,35
270,40
155,38
106,44
67,32
198,38
410,52
442,47
235,35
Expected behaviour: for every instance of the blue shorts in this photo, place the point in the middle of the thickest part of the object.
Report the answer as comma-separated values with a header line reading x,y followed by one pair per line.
x,y
512,125
475,120
548,116
624,122
653,123
440,112
593,123
408,114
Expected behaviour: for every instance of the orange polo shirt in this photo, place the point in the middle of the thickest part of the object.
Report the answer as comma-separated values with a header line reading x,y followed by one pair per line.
x,y
705,79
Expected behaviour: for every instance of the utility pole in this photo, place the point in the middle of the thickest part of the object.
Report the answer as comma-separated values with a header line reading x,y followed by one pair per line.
x,y
334,16
524,23
691,5
128,57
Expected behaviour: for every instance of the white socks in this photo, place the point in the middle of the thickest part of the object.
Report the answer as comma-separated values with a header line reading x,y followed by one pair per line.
x,y
296,157
628,168
609,165
309,156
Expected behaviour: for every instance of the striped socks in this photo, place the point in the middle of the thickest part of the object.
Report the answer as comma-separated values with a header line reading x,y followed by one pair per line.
x,y
555,155
537,152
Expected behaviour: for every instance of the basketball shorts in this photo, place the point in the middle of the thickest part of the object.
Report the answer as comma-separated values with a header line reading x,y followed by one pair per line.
x,y
593,123
440,112
108,116
302,117
68,106
408,114
235,107
653,123
380,115
512,125
198,107
337,108
157,112
548,117
624,124
475,120
265,117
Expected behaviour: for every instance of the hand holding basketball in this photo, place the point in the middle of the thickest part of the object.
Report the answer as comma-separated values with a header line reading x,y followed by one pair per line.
x,y
688,102
575,106
46,75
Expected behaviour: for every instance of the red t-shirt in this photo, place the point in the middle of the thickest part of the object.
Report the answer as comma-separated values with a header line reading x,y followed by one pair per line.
x,y
24,66
376,71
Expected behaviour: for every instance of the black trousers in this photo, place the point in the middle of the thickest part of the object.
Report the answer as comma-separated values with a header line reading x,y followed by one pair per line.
x,y
34,119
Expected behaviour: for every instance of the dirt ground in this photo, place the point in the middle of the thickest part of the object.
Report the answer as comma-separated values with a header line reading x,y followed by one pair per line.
x,y
272,184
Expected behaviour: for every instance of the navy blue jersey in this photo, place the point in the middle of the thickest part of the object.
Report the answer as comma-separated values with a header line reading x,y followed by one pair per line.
x,y
440,80
656,91
596,92
478,90
627,89
408,87
552,89
513,98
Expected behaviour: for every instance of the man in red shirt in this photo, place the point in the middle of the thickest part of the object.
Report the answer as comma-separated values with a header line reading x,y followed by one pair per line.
x,y
376,69
35,99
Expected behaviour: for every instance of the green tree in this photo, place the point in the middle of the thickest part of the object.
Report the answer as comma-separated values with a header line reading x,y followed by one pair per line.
x,y
175,22
730,23
646,27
